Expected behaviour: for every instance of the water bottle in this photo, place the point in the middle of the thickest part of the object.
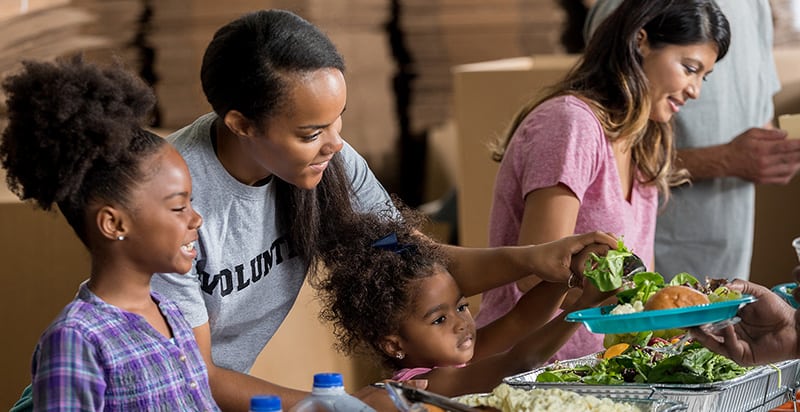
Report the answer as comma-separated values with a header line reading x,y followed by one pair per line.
x,y
265,403
328,395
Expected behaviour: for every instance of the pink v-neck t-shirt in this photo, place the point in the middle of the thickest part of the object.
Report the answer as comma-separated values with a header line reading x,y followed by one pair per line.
x,y
561,141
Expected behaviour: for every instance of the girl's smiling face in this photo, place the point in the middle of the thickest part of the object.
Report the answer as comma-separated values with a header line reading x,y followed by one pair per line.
x,y
439,329
675,74
163,230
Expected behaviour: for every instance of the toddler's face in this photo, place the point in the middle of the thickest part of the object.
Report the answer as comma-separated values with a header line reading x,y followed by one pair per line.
x,y
439,330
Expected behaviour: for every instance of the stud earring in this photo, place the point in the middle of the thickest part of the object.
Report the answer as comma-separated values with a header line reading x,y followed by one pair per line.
x,y
400,355
120,237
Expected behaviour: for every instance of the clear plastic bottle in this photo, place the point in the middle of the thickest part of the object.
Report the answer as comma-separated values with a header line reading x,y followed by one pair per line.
x,y
265,403
328,395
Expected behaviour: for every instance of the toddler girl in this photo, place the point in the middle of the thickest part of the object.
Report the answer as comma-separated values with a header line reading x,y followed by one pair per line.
x,y
387,292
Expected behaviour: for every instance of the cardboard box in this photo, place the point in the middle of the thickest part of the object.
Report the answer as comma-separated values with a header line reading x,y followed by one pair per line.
x,y
791,124
303,346
487,95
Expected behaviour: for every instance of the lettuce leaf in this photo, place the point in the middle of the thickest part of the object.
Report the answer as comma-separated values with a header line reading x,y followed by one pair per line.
x,y
684,278
605,272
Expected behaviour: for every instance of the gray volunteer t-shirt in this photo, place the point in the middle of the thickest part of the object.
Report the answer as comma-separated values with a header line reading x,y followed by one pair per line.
x,y
245,279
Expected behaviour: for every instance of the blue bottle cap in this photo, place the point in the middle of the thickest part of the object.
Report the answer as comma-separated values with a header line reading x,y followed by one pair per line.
x,y
265,403
328,380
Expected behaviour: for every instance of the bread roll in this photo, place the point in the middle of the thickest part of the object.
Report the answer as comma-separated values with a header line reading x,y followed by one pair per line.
x,y
675,297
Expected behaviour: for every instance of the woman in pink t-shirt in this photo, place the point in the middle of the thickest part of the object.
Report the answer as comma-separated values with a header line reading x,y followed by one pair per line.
x,y
595,152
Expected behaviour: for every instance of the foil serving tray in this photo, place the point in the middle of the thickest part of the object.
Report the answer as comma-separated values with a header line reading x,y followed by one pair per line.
x,y
761,388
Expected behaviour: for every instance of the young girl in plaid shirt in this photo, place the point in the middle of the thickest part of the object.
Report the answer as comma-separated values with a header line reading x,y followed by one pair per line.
x,y
74,140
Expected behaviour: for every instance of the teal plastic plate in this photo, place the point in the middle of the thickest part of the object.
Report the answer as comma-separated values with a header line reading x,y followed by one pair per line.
x,y
598,320
784,290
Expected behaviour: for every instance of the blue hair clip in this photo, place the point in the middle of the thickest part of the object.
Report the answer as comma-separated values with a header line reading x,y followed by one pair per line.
x,y
389,242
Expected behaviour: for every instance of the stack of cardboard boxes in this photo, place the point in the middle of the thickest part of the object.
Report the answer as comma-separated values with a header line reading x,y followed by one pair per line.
x,y
179,32
440,34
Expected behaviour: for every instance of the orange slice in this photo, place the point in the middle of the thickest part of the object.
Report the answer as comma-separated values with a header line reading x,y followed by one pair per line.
x,y
615,350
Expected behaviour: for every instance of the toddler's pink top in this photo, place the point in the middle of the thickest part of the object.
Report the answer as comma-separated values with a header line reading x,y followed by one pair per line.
x,y
561,141
411,373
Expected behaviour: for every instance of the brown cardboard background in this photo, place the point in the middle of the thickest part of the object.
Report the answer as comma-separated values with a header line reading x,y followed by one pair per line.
x,y
43,264
777,211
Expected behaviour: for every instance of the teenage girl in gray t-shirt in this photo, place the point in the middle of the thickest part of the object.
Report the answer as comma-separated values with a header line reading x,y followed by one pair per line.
x,y
272,177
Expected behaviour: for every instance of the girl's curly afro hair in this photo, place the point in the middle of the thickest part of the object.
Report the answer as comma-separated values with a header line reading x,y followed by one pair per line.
x,y
74,135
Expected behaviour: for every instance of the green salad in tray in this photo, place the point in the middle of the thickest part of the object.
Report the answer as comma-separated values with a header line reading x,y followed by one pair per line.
x,y
640,364
635,357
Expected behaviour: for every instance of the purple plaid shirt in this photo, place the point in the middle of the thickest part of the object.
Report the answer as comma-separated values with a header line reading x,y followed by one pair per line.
x,y
95,357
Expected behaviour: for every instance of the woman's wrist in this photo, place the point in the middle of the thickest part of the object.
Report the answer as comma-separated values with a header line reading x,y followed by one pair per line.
x,y
527,260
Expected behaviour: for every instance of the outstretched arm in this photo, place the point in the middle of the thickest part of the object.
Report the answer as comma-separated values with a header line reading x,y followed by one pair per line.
x,y
532,351
767,333
541,344
480,269
532,311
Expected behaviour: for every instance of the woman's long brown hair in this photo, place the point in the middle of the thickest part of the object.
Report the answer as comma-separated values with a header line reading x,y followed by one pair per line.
x,y
609,77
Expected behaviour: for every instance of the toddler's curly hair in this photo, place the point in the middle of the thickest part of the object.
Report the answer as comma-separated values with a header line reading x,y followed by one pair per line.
x,y
367,291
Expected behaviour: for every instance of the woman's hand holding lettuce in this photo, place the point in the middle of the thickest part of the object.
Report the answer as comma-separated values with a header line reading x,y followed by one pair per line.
x,y
606,273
